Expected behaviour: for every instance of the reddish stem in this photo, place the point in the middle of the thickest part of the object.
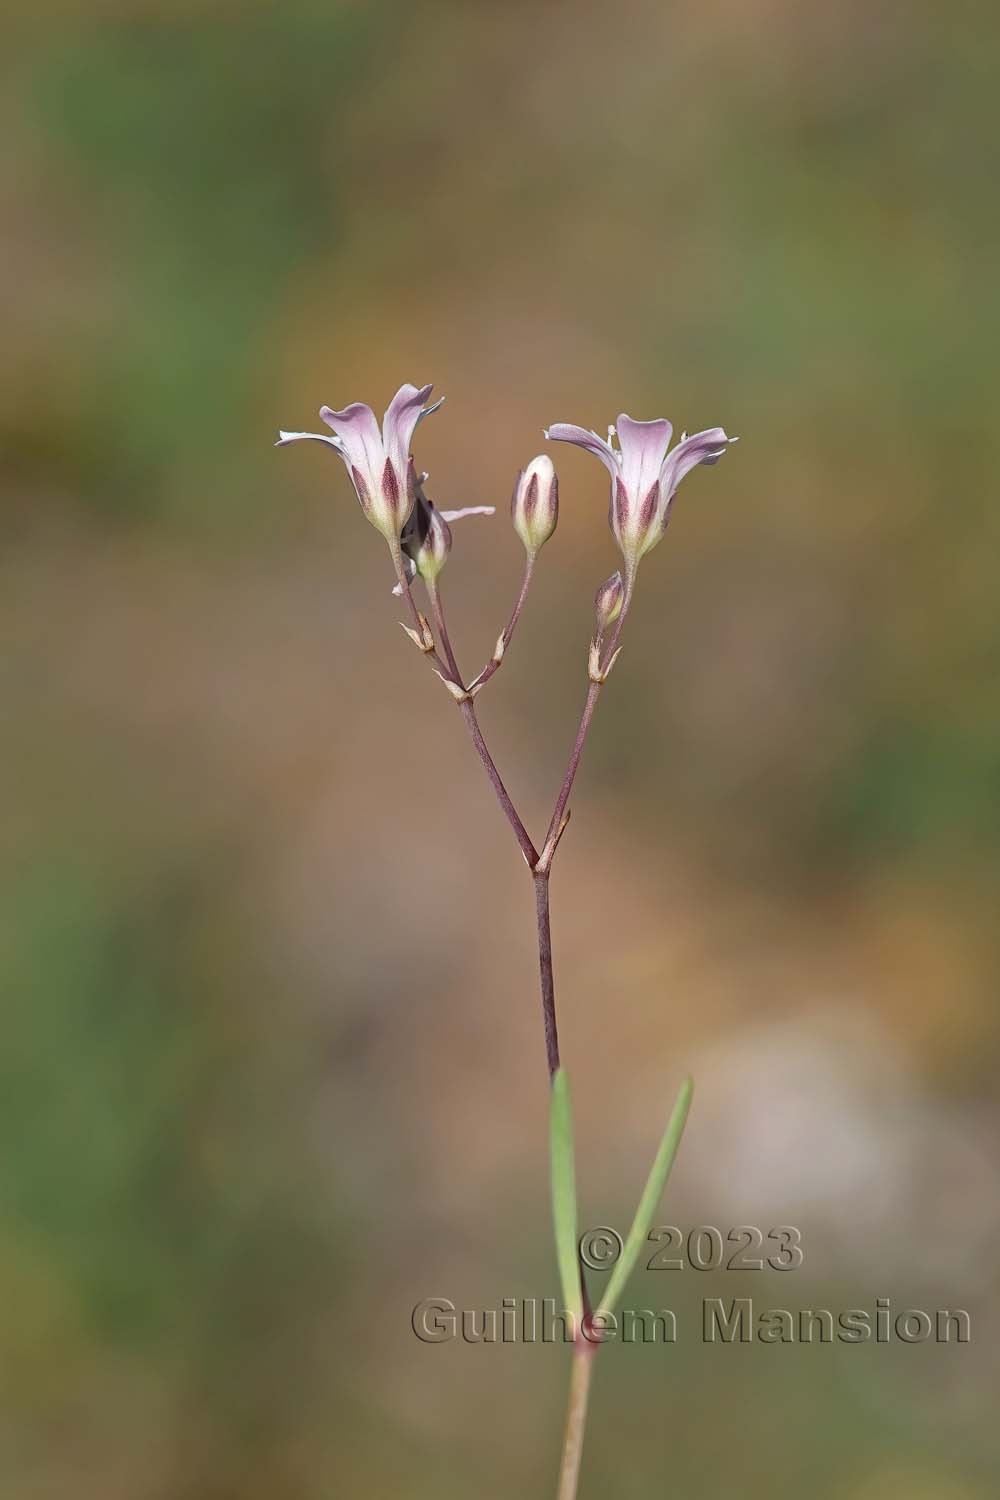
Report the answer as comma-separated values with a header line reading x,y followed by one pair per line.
x,y
593,693
437,610
545,971
493,665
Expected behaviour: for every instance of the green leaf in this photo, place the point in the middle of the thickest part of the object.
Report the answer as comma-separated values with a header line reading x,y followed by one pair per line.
x,y
564,1194
655,1184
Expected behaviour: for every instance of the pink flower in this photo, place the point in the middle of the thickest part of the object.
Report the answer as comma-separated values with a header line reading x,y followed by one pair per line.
x,y
376,459
644,476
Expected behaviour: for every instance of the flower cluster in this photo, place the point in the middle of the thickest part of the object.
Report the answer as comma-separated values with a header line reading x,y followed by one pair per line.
x,y
645,473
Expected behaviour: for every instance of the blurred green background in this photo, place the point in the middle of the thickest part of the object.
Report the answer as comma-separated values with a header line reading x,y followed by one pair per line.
x,y
272,1065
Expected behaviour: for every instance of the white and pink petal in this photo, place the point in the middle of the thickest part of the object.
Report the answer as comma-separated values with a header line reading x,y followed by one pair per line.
x,y
701,448
284,438
403,413
468,510
358,431
643,448
568,432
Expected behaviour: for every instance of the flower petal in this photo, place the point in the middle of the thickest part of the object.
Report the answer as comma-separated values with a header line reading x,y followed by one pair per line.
x,y
701,448
284,438
402,415
644,447
566,432
469,510
358,431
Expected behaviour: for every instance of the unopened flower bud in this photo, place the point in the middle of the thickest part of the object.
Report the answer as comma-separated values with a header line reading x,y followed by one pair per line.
x,y
432,553
608,602
534,506
426,537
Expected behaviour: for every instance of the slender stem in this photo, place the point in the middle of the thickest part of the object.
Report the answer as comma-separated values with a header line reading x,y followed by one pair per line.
x,y
437,610
468,712
406,593
583,1350
576,1419
528,849
493,665
593,693
545,970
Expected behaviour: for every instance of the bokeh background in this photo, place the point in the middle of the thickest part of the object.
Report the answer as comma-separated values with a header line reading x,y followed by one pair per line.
x,y
271,1064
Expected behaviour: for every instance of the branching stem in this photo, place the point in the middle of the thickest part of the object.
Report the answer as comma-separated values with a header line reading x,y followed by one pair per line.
x,y
437,611
593,693
493,665
528,849
448,670
540,867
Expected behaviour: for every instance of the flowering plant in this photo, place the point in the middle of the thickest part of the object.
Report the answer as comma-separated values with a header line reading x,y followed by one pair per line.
x,y
645,473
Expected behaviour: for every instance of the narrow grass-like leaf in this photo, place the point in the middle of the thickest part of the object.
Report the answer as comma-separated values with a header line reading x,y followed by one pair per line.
x,y
655,1184
564,1194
